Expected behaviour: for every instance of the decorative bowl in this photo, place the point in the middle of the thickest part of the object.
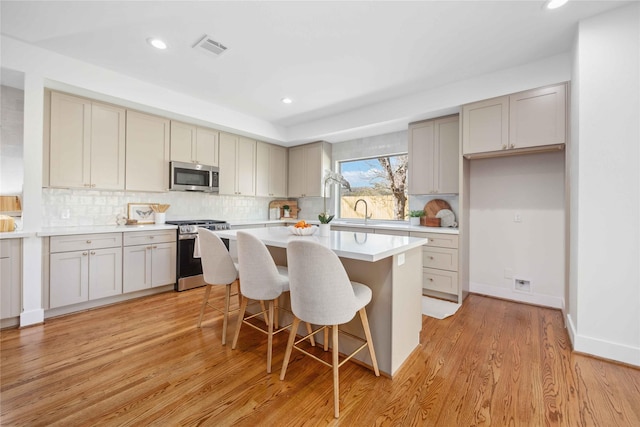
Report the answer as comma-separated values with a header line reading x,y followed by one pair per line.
x,y
307,231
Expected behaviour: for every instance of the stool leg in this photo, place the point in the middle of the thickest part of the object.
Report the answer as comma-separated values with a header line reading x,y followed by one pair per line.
x,y
336,380
276,318
243,308
311,338
204,303
225,322
326,338
287,353
270,339
264,313
367,334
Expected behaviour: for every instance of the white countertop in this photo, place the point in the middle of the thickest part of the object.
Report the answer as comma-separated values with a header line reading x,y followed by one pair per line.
x,y
93,229
16,234
347,244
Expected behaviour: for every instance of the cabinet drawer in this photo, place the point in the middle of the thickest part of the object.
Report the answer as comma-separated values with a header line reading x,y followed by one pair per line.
x,y
132,238
441,258
85,241
440,280
437,239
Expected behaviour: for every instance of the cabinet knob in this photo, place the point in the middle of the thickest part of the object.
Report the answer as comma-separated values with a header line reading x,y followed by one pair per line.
x,y
430,257
149,247
93,252
431,279
93,185
151,237
89,242
504,146
155,246
512,146
84,254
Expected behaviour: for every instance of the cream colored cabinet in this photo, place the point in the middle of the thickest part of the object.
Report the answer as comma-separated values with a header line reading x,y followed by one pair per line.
x,y
517,123
306,169
271,170
147,152
433,156
84,267
194,144
237,165
149,259
10,278
440,265
86,144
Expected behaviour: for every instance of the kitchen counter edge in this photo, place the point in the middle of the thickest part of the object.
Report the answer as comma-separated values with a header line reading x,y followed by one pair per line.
x,y
97,229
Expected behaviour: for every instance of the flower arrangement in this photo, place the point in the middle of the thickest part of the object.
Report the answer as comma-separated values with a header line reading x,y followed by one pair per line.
x,y
333,178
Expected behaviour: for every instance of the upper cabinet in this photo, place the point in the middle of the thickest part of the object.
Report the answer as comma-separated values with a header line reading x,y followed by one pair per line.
x,y
194,144
86,144
306,169
237,165
271,170
147,152
523,122
433,156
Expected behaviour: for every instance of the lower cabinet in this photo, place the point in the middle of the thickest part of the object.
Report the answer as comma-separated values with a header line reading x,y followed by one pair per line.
x,y
149,259
84,267
440,265
10,278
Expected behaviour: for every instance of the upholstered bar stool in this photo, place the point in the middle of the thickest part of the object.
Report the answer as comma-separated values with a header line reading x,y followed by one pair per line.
x,y
218,269
262,280
322,294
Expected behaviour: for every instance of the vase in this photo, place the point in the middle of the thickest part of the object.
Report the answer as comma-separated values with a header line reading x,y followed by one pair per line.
x,y
414,220
324,230
160,217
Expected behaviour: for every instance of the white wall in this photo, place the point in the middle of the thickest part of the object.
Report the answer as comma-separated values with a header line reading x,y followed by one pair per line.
x,y
533,187
605,245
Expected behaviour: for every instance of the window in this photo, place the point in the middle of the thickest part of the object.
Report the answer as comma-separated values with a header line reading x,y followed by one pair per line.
x,y
381,182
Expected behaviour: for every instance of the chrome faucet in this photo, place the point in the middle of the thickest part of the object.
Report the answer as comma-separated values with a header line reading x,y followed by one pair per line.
x,y
366,209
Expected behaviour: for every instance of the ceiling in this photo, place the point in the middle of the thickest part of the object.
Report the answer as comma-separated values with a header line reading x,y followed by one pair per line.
x,y
328,57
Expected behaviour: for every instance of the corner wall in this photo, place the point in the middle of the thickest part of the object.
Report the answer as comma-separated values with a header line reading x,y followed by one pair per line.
x,y
604,314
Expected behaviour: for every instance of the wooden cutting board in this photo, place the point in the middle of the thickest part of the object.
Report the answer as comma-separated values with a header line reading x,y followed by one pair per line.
x,y
434,206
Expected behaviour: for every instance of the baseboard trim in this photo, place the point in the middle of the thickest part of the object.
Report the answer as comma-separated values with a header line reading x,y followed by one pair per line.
x,y
603,349
510,294
31,317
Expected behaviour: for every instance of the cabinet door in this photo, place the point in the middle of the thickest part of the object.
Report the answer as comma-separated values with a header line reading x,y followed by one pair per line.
x,y
485,126
70,142
68,278
537,117
313,170
263,169
227,181
147,152
107,147
421,158
207,146
105,273
297,174
246,166
447,153
136,268
163,264
10,278
277,171
183,137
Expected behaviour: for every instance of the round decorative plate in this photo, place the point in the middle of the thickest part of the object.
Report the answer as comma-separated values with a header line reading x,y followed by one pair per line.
x,y
447,218
307,231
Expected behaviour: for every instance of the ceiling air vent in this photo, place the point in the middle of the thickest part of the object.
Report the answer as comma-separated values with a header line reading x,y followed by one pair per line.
x,y
210,46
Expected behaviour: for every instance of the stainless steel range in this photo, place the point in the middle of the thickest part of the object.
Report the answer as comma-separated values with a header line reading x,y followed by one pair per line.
x,y
189,269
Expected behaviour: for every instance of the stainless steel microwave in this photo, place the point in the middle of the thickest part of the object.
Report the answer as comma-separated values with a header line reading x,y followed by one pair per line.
x,y
194,177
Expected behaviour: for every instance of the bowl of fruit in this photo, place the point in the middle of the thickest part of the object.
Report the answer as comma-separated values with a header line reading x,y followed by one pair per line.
x,y
302,228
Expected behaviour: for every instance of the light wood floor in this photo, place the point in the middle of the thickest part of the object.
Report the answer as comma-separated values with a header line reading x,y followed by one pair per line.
x,y
145,363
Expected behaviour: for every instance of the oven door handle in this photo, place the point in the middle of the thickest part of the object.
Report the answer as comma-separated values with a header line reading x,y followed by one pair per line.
x,y
187,237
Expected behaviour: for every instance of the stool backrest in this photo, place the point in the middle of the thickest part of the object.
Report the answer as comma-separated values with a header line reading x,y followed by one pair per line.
x,y
321,292
217,265
259,275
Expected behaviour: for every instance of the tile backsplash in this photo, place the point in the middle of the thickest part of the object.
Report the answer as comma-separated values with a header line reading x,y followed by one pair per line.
x,y
74,207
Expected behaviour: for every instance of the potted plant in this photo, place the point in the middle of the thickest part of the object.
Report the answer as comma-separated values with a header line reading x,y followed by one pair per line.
x,y
285,210
414,217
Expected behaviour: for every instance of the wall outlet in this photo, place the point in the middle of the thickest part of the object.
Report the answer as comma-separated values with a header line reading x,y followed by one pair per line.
x,y
517,217
522,285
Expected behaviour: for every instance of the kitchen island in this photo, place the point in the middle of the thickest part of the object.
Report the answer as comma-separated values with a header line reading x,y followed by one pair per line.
x,y
390,265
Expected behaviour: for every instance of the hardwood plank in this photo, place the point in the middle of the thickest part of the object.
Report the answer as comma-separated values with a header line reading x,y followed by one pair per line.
x,y
145,362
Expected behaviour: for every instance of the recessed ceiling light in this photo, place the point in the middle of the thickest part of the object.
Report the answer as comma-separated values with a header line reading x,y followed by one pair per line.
x,y
286,100
157,43
554,4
